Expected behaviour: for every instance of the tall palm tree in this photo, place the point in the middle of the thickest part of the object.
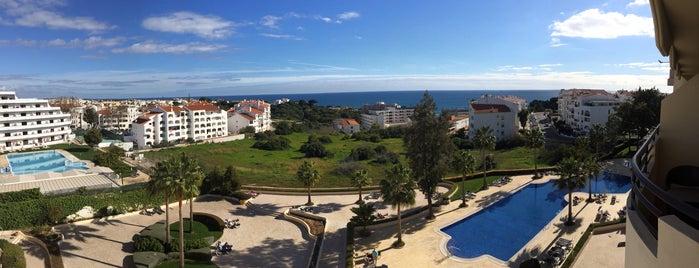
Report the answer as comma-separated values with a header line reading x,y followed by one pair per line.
x,y
591,168
484,140
597,135
572,177
398,189
193,179
308,175
464,164
162,182
361,178
535,140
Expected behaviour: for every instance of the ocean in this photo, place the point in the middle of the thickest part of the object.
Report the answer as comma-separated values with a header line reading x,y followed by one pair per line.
x,y
445,99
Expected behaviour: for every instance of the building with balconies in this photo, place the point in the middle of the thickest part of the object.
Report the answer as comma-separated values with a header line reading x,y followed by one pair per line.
x,y
250,113
206,121
582,108
385,115
497,112
662,227
118,118
28,123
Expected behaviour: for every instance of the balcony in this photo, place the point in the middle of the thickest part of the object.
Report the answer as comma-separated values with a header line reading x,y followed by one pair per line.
x,y
649,199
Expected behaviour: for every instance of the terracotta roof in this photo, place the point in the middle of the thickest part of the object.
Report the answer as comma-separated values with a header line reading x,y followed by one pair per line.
x,y
489,108
259,103
246,116
201,105
350,122
255,111
168,108
104,112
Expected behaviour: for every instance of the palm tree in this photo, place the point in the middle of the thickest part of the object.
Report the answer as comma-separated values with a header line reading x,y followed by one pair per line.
x,y
591,168
463,163
535,140
162,182
364,215
572,177
361,178
185,173
193,179
308,175
597,136
398,189
484,140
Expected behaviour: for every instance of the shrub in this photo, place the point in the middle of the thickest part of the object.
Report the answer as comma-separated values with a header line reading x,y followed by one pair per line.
x,y
347,168
148,243
269,141
200,254
23,195
314,148
189,244
363,152
12,255
325,139
148,258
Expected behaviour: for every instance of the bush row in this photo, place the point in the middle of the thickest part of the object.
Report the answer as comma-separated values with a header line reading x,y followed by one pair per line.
x,y
53,210
22,195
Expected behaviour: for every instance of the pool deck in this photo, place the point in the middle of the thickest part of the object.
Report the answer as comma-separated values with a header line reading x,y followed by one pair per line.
x,y
425,244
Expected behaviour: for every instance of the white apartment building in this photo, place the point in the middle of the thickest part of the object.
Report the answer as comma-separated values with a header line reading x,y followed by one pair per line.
x,y
583,108
206,120
498,112
197,120
118,118
28,123
250,113
385,115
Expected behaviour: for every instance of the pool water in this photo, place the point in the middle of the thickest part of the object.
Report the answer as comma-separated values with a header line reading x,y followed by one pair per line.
x,y
503,228
40,162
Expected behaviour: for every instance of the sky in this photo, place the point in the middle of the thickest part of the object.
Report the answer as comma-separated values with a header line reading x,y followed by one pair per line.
x,y
132,49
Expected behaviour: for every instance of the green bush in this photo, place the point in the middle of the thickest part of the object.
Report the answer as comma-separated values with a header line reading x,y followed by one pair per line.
x,y
148,243
189,244
200,254
349,246
148,258
12,255
23,195
241,195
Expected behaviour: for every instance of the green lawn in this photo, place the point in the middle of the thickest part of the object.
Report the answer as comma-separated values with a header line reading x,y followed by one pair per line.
x,y
200,230
472,185
82,152
278,168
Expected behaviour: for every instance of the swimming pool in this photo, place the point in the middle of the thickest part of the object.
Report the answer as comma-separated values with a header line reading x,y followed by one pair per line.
x,y
40,162
503,228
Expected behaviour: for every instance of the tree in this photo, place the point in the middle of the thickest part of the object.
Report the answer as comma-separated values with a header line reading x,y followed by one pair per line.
x,y
484,140
464,164
361,178
185,175
591,169
572,176
597,136
308,175
364,215
535,140
91,117
93,137
523,116
314,148
428,147
398,189
162,181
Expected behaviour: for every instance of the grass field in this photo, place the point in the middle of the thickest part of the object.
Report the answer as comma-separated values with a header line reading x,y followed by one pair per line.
x,y
278,168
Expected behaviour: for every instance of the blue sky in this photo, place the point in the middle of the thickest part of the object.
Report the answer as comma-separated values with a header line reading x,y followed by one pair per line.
x,y
130,49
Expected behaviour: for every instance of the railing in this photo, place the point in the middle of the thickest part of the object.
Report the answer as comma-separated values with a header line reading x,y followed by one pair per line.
x,y
648,199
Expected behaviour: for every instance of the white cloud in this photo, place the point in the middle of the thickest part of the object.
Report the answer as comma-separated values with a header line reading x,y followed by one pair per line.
x,y
25,43
53,20
662,67
325,19
556,42
57,42
270,21
282,36
348,15
593,23
93,57
91,42
209,27
152,47
638,3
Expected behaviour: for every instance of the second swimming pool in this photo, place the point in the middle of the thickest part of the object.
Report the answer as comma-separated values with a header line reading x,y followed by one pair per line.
x,y
503,228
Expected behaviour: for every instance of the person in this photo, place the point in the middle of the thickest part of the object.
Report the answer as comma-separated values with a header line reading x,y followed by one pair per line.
x,y
375,254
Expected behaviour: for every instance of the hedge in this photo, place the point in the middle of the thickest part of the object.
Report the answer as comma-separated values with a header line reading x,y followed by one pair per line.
x,y
35,212
12,255
19,196
349,246
148,243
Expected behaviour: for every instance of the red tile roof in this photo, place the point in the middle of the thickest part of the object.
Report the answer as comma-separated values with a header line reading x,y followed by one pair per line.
x,y
489,108
350,122
247,116
259,103
201,105
104,112
168,108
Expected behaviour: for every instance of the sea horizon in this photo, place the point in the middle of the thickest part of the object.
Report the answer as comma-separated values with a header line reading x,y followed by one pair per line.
x,y
445,99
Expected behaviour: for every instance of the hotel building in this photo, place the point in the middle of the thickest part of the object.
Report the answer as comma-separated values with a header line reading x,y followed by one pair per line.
x,y
385,115
583,108
497,112
28,123
662,227
250,113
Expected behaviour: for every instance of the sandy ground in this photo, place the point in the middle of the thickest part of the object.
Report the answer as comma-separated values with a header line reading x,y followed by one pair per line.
x,y
603,250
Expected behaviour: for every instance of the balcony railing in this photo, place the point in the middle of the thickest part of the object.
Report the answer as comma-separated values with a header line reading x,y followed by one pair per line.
x,y
648,199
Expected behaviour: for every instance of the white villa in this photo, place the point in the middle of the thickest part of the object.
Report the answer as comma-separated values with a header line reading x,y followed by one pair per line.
x,y
497,112
250,113
28,123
